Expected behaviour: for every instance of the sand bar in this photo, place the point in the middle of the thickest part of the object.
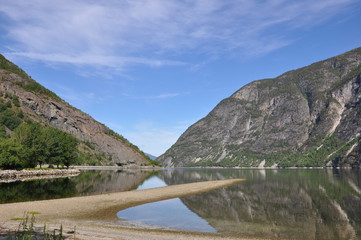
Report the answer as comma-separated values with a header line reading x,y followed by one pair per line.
x,y
96,213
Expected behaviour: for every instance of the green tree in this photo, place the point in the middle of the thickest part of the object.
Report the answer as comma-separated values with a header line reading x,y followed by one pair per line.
x,y
2,132
28,135
11,154
31,144
9,118
62,147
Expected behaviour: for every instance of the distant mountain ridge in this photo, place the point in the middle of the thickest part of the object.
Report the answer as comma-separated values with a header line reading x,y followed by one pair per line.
x,y
98,143
306,117
151,156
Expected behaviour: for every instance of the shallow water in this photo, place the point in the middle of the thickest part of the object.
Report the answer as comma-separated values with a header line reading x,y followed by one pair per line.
x,y
285,203
170,213
90,182
278,203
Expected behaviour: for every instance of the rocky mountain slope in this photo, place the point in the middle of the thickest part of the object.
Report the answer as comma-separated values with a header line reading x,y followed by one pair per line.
x,y
306,117
38,104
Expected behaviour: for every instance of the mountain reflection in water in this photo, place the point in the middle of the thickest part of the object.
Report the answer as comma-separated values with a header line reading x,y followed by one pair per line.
x,y
285,203
90,182
274,203
170,213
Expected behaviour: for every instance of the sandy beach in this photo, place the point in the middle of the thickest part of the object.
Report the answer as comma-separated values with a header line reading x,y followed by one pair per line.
x,y
95,216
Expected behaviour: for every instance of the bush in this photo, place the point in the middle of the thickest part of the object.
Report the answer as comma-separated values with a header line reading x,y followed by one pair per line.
x,y
16,101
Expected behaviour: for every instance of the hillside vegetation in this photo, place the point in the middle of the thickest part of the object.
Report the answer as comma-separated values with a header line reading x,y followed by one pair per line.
x,y
37,127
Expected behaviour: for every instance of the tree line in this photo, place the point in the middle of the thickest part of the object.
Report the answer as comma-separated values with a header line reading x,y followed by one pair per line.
x,y
31,144
25,144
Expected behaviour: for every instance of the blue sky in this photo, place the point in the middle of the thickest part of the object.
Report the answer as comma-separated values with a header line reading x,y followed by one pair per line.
x,y
149,69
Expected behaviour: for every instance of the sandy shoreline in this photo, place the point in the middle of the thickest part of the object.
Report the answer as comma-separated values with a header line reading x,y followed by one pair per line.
x,y
96,215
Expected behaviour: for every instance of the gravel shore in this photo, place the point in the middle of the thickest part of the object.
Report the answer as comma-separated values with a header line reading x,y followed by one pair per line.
x,y
19,175
95,216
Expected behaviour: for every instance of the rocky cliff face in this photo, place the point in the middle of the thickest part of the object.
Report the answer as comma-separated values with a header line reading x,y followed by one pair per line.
x,y
41,105
306,117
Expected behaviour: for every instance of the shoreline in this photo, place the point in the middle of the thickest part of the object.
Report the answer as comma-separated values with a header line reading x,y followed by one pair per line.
x,y
111,231
109,167
24,175
98,213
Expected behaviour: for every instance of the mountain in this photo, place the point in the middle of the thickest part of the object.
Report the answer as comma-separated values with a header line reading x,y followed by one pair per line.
x,y
151,156
306,117
27,100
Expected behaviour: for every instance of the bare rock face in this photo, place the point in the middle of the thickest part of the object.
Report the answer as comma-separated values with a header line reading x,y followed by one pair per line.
x,y
56,113
305,117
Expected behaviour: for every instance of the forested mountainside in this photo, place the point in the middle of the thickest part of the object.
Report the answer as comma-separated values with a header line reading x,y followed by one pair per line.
x,y
306,117
26,104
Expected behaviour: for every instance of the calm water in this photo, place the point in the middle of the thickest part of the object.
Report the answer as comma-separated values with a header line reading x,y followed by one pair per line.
x,y
86,183
170,213
285,203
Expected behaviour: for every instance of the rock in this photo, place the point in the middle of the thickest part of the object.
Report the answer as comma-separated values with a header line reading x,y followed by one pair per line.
x,y
305,117
45,107
16,175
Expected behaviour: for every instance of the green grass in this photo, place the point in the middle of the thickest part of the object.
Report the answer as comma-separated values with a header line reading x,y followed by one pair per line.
x,y
9,66
29,84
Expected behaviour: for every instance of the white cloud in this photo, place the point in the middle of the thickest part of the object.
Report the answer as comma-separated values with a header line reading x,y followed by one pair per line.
x,y
77,98
159,96
99,60
154,32
166,95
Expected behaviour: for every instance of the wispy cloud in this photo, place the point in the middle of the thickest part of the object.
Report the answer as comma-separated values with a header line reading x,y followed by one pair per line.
x,y
80,99
159,96
166,95
92,59
154,32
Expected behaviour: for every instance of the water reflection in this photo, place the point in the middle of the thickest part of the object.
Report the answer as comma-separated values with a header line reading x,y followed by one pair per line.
x,y
36,190
86,183
279,203
297,204
100,182
170,213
